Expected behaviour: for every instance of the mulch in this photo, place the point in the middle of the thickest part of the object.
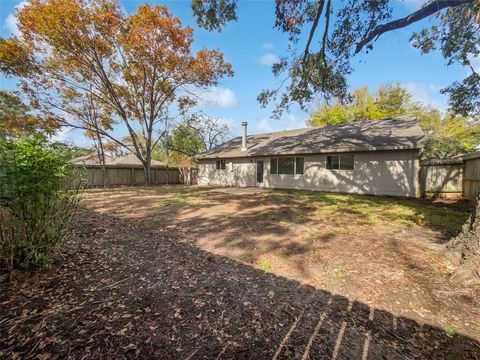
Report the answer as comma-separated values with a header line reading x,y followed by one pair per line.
x,y
124,289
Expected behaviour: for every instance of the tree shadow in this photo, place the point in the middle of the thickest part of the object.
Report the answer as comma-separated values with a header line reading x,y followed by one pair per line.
x,y
133,292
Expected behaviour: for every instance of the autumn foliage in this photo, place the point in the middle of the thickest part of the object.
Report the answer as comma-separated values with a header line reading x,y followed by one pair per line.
x,y
137,68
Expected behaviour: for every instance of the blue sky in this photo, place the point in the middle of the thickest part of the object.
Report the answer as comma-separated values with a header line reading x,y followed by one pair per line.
x,y
251,45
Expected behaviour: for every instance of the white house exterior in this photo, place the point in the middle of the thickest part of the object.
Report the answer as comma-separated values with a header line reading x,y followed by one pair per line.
x,y
379,157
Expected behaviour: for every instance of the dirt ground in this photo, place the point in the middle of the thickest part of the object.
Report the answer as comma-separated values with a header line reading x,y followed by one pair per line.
x,y
198,273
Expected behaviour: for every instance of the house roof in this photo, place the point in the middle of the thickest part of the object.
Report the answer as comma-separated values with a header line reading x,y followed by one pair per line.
x,y
470,156
128,160
387,134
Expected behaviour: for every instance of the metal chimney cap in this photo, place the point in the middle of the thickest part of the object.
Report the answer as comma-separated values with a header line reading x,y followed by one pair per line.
x,y
244,123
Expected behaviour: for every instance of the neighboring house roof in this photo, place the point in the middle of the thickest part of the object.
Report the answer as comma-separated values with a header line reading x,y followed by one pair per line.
x,y
387,134
90,159
470,156
128,160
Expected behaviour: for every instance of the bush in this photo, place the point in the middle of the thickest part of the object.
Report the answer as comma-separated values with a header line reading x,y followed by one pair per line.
x,y
37,199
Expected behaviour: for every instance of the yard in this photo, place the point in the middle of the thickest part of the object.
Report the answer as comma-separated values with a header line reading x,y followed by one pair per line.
x,y
202,273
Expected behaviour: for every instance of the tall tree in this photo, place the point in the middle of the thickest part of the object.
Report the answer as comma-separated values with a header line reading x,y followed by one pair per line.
x,y
18,118
446,136
139,66
195,134
326,35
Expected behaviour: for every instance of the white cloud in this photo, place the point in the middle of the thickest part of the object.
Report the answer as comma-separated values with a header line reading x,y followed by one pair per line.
x,y
287,122
218,96
427,94
269,59
267,46
11,21
264,125
293,122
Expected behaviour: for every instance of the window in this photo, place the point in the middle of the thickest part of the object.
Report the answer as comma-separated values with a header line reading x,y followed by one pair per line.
x,y
346,162
333,162
273,166
220,165
286,166
299,165
340,162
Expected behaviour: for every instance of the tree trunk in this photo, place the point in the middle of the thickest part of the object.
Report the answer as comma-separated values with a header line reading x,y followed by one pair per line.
x,y
101,159
148,170
464,250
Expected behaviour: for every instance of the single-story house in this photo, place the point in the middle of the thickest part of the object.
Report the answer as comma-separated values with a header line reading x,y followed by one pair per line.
x,y
372,157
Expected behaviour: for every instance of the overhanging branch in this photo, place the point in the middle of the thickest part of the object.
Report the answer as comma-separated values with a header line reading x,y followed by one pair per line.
x,y
431,8
314,27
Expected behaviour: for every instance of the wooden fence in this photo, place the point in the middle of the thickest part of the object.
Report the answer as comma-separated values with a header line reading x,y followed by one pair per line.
x,y
471,178
441,179
188,175
454,178
127,175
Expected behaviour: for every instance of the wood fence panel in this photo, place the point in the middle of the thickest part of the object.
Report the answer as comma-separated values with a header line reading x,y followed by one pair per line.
x,y
441,179
471,179
188,176
124,175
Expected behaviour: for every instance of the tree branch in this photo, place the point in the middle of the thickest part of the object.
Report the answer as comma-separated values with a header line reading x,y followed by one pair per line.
x,y
431,8
314,27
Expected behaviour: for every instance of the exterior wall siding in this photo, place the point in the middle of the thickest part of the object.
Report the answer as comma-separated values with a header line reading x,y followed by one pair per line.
x,y
381,173
239,172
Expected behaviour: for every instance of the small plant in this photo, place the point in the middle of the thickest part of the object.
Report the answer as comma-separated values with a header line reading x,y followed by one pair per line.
x,y
317,255
451,330
38,198
265,265
338,272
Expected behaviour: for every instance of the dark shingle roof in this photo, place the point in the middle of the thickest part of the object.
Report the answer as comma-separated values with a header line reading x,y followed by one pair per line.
x,y
387,134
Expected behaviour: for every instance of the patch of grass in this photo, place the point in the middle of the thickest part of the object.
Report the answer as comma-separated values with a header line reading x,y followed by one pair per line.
x,y
248,257
178,202
338,272
432,254
287,252
317,255
265,265
451,330
367,210
391,245
231,217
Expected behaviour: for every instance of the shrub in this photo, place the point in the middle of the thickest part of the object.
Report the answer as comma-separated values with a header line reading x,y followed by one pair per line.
x,y
38,198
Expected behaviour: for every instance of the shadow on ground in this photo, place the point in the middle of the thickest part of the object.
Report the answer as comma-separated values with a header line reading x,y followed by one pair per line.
x,y
127,291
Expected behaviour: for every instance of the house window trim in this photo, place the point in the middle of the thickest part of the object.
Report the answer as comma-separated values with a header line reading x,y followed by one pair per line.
x,y
294,165
340,162
218,164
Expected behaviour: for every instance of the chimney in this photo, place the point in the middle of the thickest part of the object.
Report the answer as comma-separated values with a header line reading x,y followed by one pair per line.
x,y
244,136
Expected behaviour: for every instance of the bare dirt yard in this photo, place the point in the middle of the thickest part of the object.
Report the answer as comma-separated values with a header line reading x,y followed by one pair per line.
x,y
177,272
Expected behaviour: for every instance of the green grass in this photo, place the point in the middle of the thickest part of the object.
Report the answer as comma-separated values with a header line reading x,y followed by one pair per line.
x,y
265,265
451,330
248,257
338,272
317,254
366,210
